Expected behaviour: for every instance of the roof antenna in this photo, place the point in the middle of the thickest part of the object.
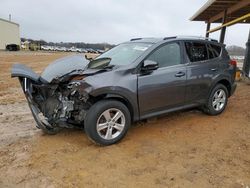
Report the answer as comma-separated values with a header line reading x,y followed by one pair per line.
x,y
10,17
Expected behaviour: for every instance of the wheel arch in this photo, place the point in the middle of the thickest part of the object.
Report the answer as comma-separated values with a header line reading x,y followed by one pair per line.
x,y
227,84
224,81
121,96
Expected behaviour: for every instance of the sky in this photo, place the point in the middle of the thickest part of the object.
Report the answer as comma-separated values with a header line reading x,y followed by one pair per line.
x,y
111,21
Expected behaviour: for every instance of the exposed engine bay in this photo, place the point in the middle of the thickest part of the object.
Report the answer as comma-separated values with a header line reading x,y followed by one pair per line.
x,y
62,104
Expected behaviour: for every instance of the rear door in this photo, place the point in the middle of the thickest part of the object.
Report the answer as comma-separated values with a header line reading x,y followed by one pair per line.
x,y
203,66
164,88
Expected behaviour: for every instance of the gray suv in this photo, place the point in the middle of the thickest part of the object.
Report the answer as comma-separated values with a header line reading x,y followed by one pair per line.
x,y
136,80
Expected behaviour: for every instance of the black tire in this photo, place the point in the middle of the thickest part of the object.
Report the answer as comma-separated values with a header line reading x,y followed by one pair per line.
x,y
208,108
95,113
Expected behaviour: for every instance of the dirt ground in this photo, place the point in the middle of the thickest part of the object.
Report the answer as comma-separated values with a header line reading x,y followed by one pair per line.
x,y
184,149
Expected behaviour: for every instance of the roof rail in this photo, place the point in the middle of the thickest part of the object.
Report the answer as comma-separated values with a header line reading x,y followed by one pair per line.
x,y
198,37
167,38
135,39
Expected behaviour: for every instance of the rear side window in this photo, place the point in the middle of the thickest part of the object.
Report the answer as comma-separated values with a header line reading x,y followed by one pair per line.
x,y
213,51
216,50
196,51
210,52
167,55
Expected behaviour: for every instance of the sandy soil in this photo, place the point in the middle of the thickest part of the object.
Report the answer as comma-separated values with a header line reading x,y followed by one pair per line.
x,y
184,149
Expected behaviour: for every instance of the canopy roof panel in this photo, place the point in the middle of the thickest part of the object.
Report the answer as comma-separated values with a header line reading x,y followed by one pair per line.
x,y
213,11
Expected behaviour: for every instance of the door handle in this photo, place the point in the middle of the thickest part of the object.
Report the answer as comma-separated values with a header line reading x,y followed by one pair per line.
x,y
179,74
213,69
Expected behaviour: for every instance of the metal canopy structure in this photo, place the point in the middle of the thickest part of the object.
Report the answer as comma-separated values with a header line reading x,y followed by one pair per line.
x,y
213,11
226,12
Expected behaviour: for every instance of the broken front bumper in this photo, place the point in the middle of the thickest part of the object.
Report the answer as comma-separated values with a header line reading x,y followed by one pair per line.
x,y
41,120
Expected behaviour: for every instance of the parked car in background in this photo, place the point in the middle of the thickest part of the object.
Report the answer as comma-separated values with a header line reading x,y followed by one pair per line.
x,y
135,80
83,50
12,47
100,51
71,49
47,48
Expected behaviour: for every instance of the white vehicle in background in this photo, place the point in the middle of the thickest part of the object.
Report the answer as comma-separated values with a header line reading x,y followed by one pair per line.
x,y
60,49
100,51
46,48
63,49
56,48
83,50
73,49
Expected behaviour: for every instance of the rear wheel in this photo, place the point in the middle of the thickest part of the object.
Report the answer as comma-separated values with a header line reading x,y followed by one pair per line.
x,y
217,100
107,122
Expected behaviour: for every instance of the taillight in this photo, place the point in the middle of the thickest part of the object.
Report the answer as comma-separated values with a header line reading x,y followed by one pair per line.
x,y
233,62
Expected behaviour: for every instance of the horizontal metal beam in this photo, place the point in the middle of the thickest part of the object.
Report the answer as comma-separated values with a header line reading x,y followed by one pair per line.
x,y
237,20
230,10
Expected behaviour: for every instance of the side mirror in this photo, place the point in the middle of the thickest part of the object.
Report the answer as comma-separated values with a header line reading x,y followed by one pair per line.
x,y
149,66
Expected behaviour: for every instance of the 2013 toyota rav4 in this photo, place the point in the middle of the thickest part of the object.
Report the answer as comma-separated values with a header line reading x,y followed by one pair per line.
x,y
135,80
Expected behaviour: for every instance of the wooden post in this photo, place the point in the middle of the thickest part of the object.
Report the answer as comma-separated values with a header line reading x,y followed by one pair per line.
x,y
223,30
246,65
208,28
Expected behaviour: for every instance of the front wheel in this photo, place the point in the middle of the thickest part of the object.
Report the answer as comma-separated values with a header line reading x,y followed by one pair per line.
x,y
217,100
107,122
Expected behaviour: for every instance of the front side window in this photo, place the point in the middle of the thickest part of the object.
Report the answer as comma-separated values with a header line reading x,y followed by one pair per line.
x,y
167,55
196,51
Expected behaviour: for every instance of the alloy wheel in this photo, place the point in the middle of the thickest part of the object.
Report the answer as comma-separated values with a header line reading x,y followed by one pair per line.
x,y
219,99
110,123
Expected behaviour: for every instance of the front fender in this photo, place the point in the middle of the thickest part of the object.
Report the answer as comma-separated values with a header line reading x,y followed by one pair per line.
x,y
116,92
22,71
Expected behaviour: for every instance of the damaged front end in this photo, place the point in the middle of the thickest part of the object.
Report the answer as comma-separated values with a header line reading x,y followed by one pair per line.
x,y
57,105
63,104
60,102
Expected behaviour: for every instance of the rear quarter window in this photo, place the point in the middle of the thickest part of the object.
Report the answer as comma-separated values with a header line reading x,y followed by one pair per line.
x,y
210,50
216,50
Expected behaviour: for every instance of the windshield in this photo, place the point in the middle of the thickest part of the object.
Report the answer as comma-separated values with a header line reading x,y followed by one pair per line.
x,y
125,54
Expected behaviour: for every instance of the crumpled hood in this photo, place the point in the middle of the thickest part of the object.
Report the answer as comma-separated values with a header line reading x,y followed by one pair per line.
x,y
64,66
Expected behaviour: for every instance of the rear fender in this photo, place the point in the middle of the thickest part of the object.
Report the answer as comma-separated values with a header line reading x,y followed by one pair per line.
x,y
217,80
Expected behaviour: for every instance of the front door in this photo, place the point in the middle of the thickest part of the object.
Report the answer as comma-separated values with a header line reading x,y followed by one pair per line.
x,y
164,88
